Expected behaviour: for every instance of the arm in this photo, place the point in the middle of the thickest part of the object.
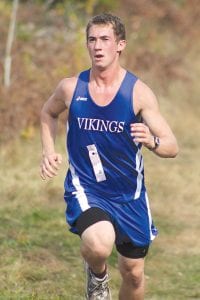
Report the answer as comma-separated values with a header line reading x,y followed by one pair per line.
x,y
153,124
50,112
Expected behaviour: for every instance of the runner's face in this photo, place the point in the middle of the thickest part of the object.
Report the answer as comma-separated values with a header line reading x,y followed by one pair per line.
x,y
102,46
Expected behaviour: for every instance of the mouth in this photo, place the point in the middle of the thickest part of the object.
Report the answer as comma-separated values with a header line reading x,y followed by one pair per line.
x,y
99,56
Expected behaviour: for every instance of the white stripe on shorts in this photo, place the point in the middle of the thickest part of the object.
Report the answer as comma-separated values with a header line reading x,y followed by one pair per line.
x,y
152,237
79,193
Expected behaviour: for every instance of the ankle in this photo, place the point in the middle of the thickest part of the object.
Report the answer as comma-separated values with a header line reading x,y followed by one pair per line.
x,y
100,275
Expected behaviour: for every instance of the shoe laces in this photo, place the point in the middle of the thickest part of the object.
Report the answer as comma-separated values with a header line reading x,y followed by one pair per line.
x,y
99,288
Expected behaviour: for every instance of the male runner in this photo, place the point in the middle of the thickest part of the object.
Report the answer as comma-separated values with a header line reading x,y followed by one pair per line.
x,y
112,114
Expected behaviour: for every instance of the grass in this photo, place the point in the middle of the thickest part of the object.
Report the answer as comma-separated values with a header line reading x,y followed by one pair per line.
x,y
40,257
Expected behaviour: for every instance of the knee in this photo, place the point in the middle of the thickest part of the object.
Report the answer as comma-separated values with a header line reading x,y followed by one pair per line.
x,y
96,249
97,241
133,276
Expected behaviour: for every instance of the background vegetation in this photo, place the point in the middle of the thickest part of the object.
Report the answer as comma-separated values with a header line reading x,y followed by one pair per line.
x,y
39,257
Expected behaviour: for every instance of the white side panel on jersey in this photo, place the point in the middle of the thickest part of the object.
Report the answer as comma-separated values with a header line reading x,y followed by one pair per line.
x,y
96,163
80,194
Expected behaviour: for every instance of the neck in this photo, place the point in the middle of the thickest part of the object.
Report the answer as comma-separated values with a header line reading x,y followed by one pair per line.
x,y
106,76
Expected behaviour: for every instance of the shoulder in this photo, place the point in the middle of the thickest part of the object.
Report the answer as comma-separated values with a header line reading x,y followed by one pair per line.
x,y
144,97
65,89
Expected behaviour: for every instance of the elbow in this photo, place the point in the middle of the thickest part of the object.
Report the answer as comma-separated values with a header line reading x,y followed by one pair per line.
x,y
174,152
170,152
174,148
43,112
46,114
43,116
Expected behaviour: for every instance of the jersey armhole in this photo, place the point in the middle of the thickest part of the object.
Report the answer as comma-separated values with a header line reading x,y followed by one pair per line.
x,y
137,116
74,93
82,78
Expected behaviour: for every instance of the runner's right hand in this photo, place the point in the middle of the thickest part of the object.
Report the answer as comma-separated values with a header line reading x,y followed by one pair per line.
x,y
50,165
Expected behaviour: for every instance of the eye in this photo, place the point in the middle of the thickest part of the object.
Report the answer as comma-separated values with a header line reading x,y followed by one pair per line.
x,y
91,39
105,38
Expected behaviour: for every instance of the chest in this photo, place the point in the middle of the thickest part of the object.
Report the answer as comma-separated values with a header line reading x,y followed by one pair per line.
x,y
103,96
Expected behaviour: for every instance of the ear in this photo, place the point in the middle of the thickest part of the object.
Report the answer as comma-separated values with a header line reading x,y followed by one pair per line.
x,y
121,45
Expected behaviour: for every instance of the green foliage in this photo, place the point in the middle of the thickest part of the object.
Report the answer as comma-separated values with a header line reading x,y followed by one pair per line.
x,y
25,32
5,8
87,7
106,6
180,2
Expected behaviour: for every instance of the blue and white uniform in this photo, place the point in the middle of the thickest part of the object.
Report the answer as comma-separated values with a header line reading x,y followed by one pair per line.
x,y
105,165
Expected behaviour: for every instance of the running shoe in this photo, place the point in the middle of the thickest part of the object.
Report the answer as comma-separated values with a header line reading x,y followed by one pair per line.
x,y
96,288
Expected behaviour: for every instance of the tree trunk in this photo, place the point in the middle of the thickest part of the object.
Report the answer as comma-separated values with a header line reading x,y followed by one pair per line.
x,y
10,38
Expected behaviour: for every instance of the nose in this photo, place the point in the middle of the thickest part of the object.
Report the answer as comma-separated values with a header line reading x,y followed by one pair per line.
x,y
97,44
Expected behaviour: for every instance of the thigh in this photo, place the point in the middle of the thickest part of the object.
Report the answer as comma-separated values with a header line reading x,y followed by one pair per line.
x,y
95,227
101,233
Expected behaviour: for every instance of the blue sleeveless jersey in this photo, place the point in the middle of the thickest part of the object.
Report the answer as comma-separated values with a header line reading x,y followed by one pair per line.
x,y
103,159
